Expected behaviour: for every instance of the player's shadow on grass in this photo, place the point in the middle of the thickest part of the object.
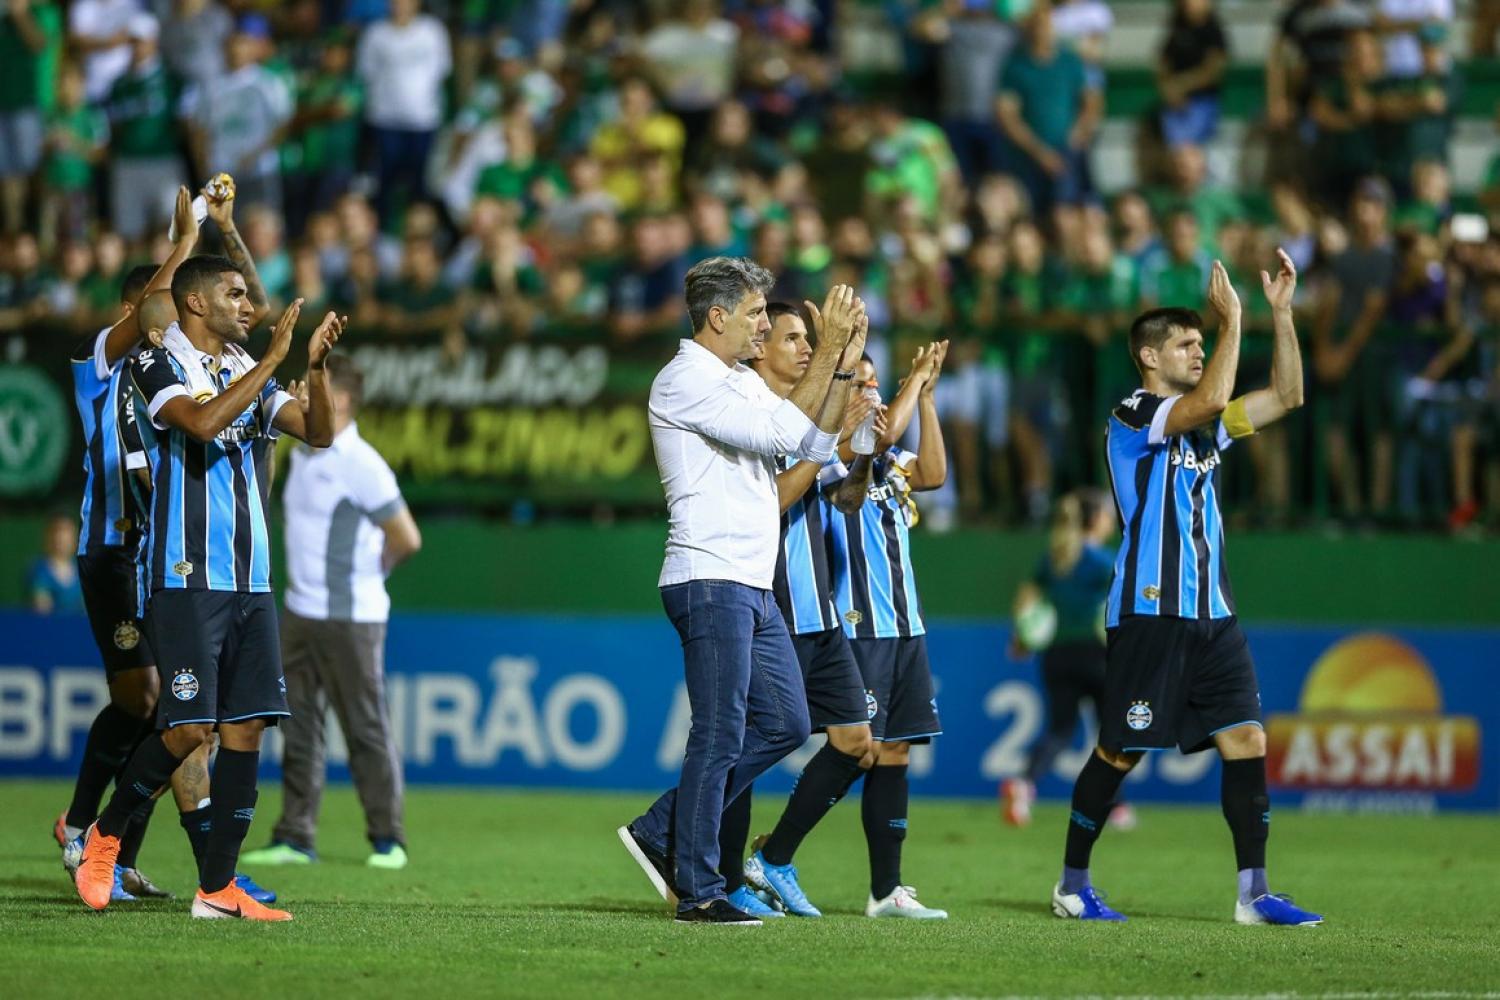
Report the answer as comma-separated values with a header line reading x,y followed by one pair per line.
x,y
614,906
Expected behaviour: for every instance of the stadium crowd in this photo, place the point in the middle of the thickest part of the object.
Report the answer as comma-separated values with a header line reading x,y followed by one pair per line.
x,y
490,170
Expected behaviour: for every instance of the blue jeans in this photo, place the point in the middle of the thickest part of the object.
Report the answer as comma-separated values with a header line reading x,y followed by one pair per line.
x,y
749,711
1193,124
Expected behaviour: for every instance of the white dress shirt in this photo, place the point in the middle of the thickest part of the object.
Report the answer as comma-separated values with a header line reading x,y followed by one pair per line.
x,y
403,69
717,431
336,498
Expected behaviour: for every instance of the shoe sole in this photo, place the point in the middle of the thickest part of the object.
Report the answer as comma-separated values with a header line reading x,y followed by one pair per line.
x,y
1267,923
639,856
719,923
202,911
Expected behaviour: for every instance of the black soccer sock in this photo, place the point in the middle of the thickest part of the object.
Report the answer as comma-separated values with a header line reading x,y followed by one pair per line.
x,y
884,814
734,831
233,809
112,736
825,780
1247,809
135,834
196,824
150,767
1093,796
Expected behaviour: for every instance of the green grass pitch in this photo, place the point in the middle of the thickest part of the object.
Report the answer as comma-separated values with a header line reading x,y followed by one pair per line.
x,y
529,894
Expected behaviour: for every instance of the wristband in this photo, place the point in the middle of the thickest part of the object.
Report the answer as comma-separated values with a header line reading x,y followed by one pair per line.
x,y
843,376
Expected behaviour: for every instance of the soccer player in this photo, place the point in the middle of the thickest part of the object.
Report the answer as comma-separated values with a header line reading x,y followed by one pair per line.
x,y
835,692
109,544
875,588
1178,668
715,427
347,527
211,615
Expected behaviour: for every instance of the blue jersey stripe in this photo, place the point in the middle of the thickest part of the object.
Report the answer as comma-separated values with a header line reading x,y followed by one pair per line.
x,y
875,587
107,516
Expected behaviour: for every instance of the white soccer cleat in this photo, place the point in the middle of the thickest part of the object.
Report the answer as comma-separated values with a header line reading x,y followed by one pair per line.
x,y
902,902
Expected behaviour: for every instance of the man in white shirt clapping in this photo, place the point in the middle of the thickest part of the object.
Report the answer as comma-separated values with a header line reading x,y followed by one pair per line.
x,y
717,430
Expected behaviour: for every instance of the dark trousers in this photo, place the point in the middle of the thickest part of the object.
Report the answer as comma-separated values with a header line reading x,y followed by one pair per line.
x,y
1071,672
749,710
401,167
342,665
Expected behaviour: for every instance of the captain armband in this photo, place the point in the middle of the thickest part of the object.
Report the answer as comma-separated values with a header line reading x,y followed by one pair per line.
x,y
1237,419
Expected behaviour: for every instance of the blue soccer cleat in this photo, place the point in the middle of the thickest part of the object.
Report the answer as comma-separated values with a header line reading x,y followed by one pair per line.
x,y
255,892
117,893
1085,904
781,882
1275,908
747,900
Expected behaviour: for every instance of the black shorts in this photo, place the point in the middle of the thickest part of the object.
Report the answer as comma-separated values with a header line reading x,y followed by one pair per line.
x,y
219,656
902,705
107,578
835,688
1176,681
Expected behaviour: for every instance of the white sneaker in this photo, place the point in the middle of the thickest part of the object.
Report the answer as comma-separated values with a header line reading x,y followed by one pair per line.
x,y
902,902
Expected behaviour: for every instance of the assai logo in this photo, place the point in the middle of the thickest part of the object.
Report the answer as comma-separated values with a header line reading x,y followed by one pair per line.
x,y
185,686
1138,715
1371,718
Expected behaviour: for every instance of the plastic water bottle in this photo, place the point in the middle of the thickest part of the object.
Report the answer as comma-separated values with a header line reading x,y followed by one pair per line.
x,y
863,440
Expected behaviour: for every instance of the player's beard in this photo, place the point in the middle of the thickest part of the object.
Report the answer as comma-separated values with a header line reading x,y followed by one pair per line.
x,y
227,328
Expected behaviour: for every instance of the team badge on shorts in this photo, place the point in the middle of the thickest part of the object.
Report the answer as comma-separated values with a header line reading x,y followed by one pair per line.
x,y
127,636
1138,715
185,686
872,707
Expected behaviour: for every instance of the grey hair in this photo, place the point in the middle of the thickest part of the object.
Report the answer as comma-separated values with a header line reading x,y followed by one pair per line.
x,y
722,282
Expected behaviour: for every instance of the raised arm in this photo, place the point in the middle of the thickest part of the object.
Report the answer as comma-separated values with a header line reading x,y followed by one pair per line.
x,y
834,327
221,210
141,317
314,424
931,468
1263,407
1208,400
904,406
171,407
794,482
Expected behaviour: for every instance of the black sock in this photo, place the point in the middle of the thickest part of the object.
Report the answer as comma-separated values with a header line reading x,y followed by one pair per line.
x,y
734,831
111,738
135,834
233,809
1093,796
196,825
884,813
825,780
150,767
1247,809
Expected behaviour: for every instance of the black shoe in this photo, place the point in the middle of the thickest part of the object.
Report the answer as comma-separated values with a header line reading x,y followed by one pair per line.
x,y
653,862
717,911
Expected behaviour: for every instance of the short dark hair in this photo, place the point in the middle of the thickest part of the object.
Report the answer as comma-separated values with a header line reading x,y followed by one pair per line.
x,y
1153,327
136,280
722,282
344,374
198,274
776,310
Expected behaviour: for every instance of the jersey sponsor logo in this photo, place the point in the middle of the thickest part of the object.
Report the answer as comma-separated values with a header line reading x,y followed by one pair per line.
x,y
185,686
183,568
1138,715
240,433
1188,459
127,636
1131,402
881,492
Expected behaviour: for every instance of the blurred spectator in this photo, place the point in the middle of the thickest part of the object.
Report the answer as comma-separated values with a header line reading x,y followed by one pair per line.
x,y
1136,228
1212,205
1400,22
65,288
145,168
505,287
1485,29
52,579
100,32
1342,110
584,195
265,238
691,58
23,290
194,34
1308,50
978,405
839,161
236,120
101,289
1084,25
325,129
418,302
640,130
973,42
1412,112
1050,110
1037,413
76,142
28,28
1430,205
1353,362
911,158
518,177
1177,274
403,62
733,148
647,291
1190,71
713,230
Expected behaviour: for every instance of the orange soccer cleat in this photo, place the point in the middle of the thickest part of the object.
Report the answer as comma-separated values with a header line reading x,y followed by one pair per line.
x,y
233,903
95,877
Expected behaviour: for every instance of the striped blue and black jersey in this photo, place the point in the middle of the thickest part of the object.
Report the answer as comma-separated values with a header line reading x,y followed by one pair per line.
x,y
208,501
1171,561
112,447
804,584
874,588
